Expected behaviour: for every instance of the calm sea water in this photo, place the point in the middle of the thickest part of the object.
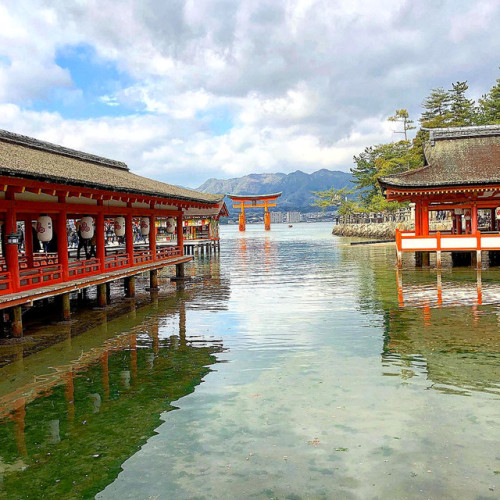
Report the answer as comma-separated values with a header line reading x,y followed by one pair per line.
x,y
292,366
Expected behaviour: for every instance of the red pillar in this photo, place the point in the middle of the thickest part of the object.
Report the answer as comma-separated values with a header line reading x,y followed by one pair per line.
x,y
62,244
493,219
28,241
180,235
11,251
425,219
418,219
129,239
152,236
459,224
100,241
473,216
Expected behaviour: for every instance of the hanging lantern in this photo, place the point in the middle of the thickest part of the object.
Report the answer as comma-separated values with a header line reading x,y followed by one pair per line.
x,y
171,225
120,226
44,228
144,226
467,214
87,227
497,213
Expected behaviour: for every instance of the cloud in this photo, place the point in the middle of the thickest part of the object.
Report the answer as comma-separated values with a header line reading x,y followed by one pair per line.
x,y
224,88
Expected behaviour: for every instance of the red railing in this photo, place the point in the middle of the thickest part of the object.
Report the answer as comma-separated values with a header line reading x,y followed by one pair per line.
x,y
168,252
82,268
46,269
5,283
116,261
143,256
39,276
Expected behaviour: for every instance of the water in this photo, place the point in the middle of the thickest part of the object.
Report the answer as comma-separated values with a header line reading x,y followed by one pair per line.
x,y
297,366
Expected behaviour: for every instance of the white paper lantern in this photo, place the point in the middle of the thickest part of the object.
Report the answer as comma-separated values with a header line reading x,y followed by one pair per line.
x,y
171,225
144,226
87,227
44,228
120,226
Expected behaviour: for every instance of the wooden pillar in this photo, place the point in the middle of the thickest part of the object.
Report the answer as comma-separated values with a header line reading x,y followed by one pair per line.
x,y
153,278
62,243
242,221
102,295
180,234
267,218
65,306
100,240
130,286
11,250
129,239
179,270
152,235
425,219
473,215
418,218
17,321
28,242
492,219
459,224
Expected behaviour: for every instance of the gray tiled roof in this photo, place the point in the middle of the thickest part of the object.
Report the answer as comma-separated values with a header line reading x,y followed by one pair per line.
x,y
456,156
22,156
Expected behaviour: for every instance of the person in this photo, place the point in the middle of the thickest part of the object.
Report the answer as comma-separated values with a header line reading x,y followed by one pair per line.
x,y
93,247
82,243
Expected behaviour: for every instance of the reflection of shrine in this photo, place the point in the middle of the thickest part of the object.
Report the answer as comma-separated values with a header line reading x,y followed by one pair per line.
x,y
80,420
443,331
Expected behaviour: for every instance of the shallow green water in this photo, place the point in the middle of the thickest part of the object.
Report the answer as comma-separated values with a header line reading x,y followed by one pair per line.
x,y
297,368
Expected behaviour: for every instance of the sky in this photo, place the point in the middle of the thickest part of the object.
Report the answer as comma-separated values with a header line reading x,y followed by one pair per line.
x,y
186,90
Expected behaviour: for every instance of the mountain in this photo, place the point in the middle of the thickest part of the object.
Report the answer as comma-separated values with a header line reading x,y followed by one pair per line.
x,y
296,187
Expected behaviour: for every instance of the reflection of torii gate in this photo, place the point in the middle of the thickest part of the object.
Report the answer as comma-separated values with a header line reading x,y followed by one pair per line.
x,y
254,201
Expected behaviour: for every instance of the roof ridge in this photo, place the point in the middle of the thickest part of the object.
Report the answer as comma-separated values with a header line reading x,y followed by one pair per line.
x,y
33,143
461,132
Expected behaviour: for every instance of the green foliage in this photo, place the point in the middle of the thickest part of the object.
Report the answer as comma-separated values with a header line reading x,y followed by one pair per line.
x,y
335,198
402,116
462,110
489,106
437,109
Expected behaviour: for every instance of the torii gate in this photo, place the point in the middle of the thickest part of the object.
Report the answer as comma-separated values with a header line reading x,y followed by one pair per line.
x,y
254,201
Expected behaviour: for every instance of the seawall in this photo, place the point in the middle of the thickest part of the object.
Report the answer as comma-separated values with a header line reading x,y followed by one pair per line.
x,y
383,230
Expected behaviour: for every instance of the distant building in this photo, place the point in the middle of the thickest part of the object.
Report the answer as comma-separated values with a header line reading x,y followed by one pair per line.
x,y
277,217
293,217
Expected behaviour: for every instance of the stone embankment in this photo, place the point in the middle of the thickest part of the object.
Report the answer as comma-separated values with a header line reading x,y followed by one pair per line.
x,y
383,230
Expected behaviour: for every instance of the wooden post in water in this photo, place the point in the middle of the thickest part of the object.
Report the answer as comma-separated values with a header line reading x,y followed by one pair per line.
x,y
17,321
153,279
179,270
102,296
438,250
130,286
65,307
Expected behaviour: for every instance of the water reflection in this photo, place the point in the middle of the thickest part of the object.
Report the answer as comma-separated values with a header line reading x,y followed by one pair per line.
x,y
67,429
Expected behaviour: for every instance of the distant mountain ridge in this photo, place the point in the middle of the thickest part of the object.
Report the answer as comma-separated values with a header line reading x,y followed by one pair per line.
x,y
296,186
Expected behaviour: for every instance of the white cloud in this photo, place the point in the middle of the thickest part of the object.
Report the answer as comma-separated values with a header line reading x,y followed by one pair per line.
x,y
305,83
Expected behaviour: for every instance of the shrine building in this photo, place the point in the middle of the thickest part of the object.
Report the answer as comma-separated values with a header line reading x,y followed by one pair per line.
x,y
461,180
46,189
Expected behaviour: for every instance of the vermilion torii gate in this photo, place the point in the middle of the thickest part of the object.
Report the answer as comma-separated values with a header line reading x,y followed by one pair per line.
x,y
254,201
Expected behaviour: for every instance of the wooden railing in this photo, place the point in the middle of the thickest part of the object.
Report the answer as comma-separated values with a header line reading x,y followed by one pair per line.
x,y
46,269
82,268
40,276
408,242
116,261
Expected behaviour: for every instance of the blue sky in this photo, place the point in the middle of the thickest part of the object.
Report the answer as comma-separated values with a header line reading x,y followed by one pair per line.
x,y
184,91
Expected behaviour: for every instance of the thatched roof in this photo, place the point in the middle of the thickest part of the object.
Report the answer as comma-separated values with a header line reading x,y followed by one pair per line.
x,y
25,157
465,156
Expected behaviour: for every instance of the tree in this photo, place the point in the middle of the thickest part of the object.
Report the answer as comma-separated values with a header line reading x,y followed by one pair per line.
x,y
331,197
402,116
462,109
377,161
489,106
437,109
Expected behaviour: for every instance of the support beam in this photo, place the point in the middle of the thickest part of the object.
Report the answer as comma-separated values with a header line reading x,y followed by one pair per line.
x,y
129,239
11,250
152,236
102,295
65,307
179,271
180,234
130,286
153,279
17,321
267,220
100,240
62,244
28,242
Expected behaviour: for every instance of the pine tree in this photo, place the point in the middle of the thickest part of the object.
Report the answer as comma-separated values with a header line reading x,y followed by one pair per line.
x,y
437,109
462,109
402,116
489,106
